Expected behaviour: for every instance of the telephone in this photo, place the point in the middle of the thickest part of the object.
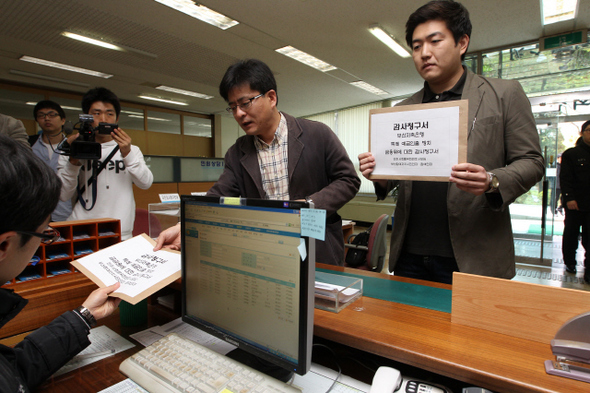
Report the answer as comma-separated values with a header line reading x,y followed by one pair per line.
x,y
389,380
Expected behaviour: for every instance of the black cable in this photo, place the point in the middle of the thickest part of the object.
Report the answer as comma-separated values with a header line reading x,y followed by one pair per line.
x,y
337,364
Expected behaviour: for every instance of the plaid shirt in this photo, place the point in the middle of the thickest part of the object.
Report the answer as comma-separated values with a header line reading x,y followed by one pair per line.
x,y
273,160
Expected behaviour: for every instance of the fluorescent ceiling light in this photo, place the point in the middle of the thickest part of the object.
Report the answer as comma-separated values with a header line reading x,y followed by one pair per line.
x,y
66,67
553,11
163,100
305,58
108,45
92,41
149,118
71,108
201,12
132,113
369,88
388,40
185,92
48,78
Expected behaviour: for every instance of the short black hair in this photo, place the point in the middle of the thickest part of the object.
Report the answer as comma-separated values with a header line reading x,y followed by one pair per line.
x,y
47,104
101,94
250,71
453,13
586,124
29,188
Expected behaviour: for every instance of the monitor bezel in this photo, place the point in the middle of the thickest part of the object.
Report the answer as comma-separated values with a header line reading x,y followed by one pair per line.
x,y
306,295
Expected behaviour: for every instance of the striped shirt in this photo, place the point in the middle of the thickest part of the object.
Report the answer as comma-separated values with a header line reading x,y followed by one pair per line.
x,y
273,160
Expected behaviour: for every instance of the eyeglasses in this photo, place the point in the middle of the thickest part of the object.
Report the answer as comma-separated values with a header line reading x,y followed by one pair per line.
x,y
51,115
49,235
244,105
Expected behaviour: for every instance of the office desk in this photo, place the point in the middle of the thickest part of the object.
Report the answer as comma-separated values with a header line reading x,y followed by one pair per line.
x,y
427,339
104,373
411,335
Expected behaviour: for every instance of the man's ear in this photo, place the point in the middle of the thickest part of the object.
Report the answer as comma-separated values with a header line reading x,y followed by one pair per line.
x,y
272,95
8,241
464,43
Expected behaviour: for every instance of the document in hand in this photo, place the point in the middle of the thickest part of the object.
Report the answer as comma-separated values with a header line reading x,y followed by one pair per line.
x,y
134,264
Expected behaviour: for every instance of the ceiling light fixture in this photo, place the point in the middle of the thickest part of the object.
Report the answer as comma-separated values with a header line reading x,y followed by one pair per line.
x,y
64,107
108,45
149,118
201,12
48,78
305,58
388,40
92,41
66,67
553,11
185,92
163,100
370,88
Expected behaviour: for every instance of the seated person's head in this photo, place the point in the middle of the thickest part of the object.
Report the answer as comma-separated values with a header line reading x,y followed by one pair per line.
x,y
103,104
29,192
50,116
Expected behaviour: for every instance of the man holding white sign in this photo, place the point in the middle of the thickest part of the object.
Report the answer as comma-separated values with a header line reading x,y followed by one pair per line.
x,y
463,224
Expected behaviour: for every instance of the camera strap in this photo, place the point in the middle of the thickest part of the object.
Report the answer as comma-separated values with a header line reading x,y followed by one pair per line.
x,y
94,180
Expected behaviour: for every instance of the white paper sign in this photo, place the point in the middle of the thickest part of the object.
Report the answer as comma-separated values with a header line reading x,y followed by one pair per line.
x,y
169,198
423,142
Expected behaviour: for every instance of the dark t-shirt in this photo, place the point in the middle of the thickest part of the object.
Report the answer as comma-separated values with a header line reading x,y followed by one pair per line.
x,y
428,225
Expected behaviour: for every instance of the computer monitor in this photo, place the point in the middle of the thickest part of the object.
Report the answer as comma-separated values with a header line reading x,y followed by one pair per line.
x,y
248,278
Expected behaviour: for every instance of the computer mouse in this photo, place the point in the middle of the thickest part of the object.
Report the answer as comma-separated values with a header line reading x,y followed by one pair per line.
x,y
386,380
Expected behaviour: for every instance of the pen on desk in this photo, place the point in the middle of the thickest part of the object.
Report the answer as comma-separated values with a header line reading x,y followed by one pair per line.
x,y
95,354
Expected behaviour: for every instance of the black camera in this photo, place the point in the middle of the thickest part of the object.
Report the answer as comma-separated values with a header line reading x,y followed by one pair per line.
x,y
85,146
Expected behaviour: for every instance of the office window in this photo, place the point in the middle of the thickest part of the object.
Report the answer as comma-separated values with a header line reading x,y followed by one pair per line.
x,y
18,104
131,118
162,168
471,62
352,127
541,72
197,126
163,122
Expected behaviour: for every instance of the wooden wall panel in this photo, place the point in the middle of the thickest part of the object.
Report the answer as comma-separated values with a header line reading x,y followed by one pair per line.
x,y
196,146
162,144
139,139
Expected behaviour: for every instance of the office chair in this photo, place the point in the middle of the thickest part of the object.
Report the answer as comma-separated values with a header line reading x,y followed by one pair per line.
x,y
376,245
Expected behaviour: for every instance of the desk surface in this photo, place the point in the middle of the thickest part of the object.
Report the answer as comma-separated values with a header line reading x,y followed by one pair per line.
x,y
427,339
411,335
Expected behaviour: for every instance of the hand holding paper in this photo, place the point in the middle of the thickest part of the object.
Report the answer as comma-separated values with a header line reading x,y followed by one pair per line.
x,y
133,263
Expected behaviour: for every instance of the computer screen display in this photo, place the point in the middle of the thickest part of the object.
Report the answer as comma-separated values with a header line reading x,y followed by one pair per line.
x,y
248,276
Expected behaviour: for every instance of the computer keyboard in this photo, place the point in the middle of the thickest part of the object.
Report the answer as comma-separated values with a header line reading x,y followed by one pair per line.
x,y
176,364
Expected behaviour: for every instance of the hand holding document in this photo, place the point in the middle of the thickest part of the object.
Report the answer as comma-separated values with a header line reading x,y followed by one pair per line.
x,y
140,270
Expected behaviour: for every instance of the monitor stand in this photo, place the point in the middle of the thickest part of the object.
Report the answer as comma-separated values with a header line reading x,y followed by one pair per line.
x,y
261,365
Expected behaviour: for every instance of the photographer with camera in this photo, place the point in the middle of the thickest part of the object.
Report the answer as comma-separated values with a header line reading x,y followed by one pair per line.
x,y
102,164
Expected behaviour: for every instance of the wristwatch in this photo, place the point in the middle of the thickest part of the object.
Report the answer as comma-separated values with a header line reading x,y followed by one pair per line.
x,y
494,182
87,316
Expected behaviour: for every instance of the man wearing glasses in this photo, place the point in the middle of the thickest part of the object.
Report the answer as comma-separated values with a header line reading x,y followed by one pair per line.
x,y
51,117
29,192
281,157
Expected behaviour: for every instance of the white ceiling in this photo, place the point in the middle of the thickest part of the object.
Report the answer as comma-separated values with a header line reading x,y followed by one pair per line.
x,y
193,55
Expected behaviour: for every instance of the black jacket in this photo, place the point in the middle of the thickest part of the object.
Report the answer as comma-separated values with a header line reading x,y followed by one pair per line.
x,y
42,352
575,175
